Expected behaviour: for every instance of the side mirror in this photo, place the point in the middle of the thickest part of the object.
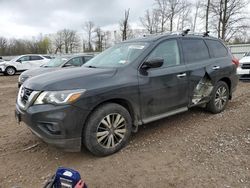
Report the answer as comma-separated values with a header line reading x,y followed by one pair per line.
x,y
153,63
19,60
68,65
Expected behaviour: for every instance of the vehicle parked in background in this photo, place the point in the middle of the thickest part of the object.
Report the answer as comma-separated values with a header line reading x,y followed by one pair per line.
x,y
55,64
244,67
22,63
130,84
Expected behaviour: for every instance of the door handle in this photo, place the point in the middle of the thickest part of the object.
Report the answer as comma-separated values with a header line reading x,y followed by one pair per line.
x,y
181,75
216,67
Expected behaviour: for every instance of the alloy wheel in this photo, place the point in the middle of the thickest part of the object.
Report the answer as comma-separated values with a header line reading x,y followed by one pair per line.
x,y
221,97
111,130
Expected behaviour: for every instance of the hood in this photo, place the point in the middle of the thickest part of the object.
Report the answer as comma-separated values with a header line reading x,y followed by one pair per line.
x,y
245,59
69,79
37,71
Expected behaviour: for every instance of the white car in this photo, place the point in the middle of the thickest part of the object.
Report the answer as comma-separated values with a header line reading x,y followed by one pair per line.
x,y
22,63
244,68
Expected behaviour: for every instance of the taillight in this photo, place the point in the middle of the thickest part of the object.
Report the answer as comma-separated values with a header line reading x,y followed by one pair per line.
x,y
235,61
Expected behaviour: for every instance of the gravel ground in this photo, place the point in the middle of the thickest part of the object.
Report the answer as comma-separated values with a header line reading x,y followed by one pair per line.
x,y
193,149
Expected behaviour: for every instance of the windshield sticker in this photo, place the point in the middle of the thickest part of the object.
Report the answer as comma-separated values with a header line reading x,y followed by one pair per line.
x,y
139,47
123,62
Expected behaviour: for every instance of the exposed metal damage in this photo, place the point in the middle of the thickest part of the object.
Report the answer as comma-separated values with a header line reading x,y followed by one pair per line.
x,y
203,90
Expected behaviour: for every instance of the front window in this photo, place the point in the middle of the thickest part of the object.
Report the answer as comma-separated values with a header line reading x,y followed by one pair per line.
x,y
57,62
117,56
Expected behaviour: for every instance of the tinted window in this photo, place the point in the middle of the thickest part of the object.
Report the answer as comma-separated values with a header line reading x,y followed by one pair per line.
x,y
77,61
24,58
168,51
216,48
87,58
47,57
194,50
35,58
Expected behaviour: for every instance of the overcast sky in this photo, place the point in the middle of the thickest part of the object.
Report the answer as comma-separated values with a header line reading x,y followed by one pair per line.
x,y
26,18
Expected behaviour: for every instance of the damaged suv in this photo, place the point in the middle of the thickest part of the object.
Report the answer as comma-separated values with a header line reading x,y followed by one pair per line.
x,y
130,84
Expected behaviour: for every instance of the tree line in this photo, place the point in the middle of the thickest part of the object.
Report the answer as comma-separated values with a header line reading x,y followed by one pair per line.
x,y
226,19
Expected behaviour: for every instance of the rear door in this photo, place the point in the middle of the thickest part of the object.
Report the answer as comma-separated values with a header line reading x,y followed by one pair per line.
x,y
163,89
222,62
36,61
198,61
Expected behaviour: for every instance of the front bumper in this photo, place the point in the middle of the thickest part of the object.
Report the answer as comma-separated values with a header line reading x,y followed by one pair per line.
x,y
2,69
241,71
60,126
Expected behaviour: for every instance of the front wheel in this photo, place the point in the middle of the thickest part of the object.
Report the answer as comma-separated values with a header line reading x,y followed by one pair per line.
x,y
10,71
107,130
219,98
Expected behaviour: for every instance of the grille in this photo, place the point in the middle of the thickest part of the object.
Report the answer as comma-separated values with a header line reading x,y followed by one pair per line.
x,y
25,94
246,66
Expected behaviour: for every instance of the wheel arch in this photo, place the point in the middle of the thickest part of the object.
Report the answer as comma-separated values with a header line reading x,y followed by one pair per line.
x,y
10,66
124,103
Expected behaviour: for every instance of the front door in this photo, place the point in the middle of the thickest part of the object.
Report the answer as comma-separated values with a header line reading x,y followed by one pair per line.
x,y
163,89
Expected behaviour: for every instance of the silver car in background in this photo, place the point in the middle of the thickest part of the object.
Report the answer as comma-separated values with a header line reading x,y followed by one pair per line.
x,y
55,64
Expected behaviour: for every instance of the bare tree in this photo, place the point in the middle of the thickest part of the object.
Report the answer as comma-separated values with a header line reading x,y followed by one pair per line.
x,y
174,8
161,8
3,45
230,17
197,7
184,20
58,42
151,21
89,28
207,14
100,35
124,25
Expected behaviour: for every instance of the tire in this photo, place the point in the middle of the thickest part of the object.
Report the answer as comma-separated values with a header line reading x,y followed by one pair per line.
x,y
10,71
102,136
219,98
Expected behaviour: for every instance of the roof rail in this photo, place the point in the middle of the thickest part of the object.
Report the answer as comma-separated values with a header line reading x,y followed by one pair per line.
x,y
183,33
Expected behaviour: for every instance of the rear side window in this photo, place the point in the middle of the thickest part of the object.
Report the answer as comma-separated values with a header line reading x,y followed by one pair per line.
x,y
87,58
76,62
194,50
24,58
217,48
35,58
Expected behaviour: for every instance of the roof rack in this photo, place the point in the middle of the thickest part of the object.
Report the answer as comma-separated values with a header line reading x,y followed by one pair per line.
x,y
183,33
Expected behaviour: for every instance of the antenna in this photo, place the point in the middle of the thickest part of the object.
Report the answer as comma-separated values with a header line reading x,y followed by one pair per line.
x,y
206,34
185,32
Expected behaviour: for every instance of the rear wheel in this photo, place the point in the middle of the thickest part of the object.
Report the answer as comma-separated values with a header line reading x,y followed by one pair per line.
x,y
219,98
10,71
107,130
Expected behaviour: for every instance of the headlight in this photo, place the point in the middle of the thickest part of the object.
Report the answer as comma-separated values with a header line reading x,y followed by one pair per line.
x,y
59,97
22,78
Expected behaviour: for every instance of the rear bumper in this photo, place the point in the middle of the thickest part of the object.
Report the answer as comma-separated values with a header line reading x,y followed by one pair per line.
x,y
60,126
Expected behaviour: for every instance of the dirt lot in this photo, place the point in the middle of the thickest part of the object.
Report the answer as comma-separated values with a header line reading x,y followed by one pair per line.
x,y
194,149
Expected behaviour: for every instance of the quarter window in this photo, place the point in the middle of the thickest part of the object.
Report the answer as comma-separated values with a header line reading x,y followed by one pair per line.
x,y
194,50
217,48
168,51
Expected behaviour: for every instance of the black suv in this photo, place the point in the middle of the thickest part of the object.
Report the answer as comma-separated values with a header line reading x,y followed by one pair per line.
x,y
132,83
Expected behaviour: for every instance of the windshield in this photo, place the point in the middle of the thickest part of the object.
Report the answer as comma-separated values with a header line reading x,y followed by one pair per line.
x,y
56,62
247,54
118,55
